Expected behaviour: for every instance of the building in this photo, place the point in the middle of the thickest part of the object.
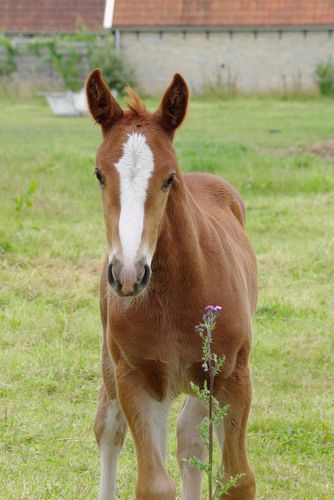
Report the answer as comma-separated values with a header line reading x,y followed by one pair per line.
x,y
250,46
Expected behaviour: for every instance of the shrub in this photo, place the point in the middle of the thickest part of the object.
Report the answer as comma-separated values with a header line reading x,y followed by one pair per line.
x,y
7,61
324,74
71,56
102,54
66,56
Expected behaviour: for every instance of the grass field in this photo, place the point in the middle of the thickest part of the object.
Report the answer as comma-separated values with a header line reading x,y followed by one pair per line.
x,y
51,254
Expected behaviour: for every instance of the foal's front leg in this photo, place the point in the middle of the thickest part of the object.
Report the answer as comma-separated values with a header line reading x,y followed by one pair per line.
x,y
110,430
190,444
147,420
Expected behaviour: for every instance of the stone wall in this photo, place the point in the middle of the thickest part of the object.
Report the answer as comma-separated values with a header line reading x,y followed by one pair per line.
x,y
37,71
250,61
243,61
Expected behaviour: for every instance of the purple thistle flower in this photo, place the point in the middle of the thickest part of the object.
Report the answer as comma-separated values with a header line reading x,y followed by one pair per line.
x,y
214,309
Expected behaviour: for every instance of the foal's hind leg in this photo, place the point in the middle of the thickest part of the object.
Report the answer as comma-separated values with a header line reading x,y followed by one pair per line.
x,y
236,392
190,444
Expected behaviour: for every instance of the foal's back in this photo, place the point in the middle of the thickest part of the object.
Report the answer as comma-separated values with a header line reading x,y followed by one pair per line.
x,y
226,246
214,194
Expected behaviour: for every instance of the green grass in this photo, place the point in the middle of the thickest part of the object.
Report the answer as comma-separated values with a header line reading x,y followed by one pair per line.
x,y
51,254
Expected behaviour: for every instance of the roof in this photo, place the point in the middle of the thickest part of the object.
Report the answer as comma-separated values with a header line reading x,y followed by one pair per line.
x,y
222,13
50,16
66,16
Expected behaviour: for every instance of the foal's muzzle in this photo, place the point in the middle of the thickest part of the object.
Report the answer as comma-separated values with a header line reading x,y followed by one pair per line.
x,y
128,282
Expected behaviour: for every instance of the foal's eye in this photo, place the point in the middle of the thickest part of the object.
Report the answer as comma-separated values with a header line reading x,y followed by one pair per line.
x,y
168,182
99,177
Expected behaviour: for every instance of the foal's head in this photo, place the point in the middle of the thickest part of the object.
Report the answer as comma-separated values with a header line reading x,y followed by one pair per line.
x,y
135,166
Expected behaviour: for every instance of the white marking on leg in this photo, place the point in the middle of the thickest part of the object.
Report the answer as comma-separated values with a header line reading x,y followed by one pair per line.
x,y
135,168
190,444
110,447
158,424
152,431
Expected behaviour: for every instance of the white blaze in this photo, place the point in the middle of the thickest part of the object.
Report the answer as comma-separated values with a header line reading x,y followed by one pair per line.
x,y
135,168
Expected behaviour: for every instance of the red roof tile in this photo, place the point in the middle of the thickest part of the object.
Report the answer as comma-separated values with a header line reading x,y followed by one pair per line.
x,y
187,13
50,16
65,16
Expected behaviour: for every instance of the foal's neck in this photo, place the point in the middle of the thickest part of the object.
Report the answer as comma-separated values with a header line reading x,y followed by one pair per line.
x,y
178,254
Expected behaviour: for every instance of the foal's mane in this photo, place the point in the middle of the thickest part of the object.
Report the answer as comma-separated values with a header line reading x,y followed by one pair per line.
x,y
134,102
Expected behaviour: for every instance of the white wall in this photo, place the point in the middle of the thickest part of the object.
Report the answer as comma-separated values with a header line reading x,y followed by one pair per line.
x,y
255,62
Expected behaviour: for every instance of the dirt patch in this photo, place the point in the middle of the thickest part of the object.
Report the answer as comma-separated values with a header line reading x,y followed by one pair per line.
x,y
324,149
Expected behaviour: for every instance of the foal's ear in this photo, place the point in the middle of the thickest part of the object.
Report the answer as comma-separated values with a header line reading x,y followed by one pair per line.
x,y
102,105
173,106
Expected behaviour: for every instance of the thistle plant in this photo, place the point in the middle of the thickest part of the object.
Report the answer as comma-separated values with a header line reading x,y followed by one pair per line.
x,y
212,365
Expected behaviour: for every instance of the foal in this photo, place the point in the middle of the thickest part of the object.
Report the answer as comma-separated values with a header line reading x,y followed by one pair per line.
x,y
176,244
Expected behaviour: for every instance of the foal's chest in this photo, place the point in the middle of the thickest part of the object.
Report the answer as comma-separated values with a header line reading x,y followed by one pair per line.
x,y
161,356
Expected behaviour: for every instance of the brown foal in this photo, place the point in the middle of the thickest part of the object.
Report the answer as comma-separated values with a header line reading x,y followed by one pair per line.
x,y
176,243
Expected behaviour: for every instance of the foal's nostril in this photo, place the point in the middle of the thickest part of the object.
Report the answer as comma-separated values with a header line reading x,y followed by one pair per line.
x,y
145,277
111,278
